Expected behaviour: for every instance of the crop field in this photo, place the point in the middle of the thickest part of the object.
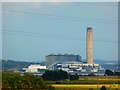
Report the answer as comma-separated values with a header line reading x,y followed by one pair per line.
x,y
91,80
85,87
89,83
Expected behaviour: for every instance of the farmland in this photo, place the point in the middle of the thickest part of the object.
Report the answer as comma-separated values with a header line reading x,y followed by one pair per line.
x,y
85,86
91,80
88,83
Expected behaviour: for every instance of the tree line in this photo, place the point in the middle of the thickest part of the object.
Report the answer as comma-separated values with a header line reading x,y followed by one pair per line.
x,y
57,75
109,72
14,81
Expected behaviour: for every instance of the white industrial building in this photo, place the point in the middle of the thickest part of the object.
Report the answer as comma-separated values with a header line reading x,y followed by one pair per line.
x,y
76,67
34,68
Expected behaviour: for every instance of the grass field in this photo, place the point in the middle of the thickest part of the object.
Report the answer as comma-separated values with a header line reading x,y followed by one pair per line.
x,y
91,80
89,83
85,87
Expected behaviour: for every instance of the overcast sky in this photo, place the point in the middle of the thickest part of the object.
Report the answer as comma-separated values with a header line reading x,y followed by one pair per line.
x,y
33,30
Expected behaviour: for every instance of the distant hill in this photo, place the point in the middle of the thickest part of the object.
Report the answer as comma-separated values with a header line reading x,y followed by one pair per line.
x,y
102,62
12,65
113,65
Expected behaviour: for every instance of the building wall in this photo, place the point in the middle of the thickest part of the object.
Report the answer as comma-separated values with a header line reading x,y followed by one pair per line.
x,y
34,68
51,59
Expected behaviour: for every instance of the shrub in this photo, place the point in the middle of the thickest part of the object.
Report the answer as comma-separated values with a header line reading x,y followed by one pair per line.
x,y
14,81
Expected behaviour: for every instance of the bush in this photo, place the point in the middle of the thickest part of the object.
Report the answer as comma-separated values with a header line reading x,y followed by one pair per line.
x,y
109,72
74,77
14,81
103,88
55,75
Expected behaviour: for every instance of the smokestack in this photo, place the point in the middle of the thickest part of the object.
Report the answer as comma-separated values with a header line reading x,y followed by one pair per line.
x,y
89,55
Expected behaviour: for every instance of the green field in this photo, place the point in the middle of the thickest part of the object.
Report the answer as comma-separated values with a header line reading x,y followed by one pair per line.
x,y
91,80
88,83
85,87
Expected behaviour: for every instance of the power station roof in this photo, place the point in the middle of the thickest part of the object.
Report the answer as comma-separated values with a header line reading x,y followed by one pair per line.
x,y
63,55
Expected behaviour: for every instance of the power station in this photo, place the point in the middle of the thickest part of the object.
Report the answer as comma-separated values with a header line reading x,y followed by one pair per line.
x,y
74,63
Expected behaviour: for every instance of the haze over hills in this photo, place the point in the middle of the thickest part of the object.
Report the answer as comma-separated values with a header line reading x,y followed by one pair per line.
x,y
12,64
101,62
113,65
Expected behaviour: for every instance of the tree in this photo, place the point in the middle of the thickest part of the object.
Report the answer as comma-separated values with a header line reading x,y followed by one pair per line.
x,y
103,88
55,75
13,81
74,77
109,72
48,75
63,75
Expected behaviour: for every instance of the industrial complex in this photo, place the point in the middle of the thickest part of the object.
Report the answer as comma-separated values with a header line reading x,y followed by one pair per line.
x,y
71,63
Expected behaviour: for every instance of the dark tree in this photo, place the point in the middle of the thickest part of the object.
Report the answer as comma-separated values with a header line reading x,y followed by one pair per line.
x,y
13,81
63,75
74,77
55,75
103,88
109,72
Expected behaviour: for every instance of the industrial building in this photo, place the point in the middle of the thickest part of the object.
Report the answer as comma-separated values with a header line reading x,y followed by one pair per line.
x,y
77,67
73,63
34,68
52,59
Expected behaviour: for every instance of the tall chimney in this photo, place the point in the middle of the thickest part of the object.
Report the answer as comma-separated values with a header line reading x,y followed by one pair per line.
x,y
89,55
